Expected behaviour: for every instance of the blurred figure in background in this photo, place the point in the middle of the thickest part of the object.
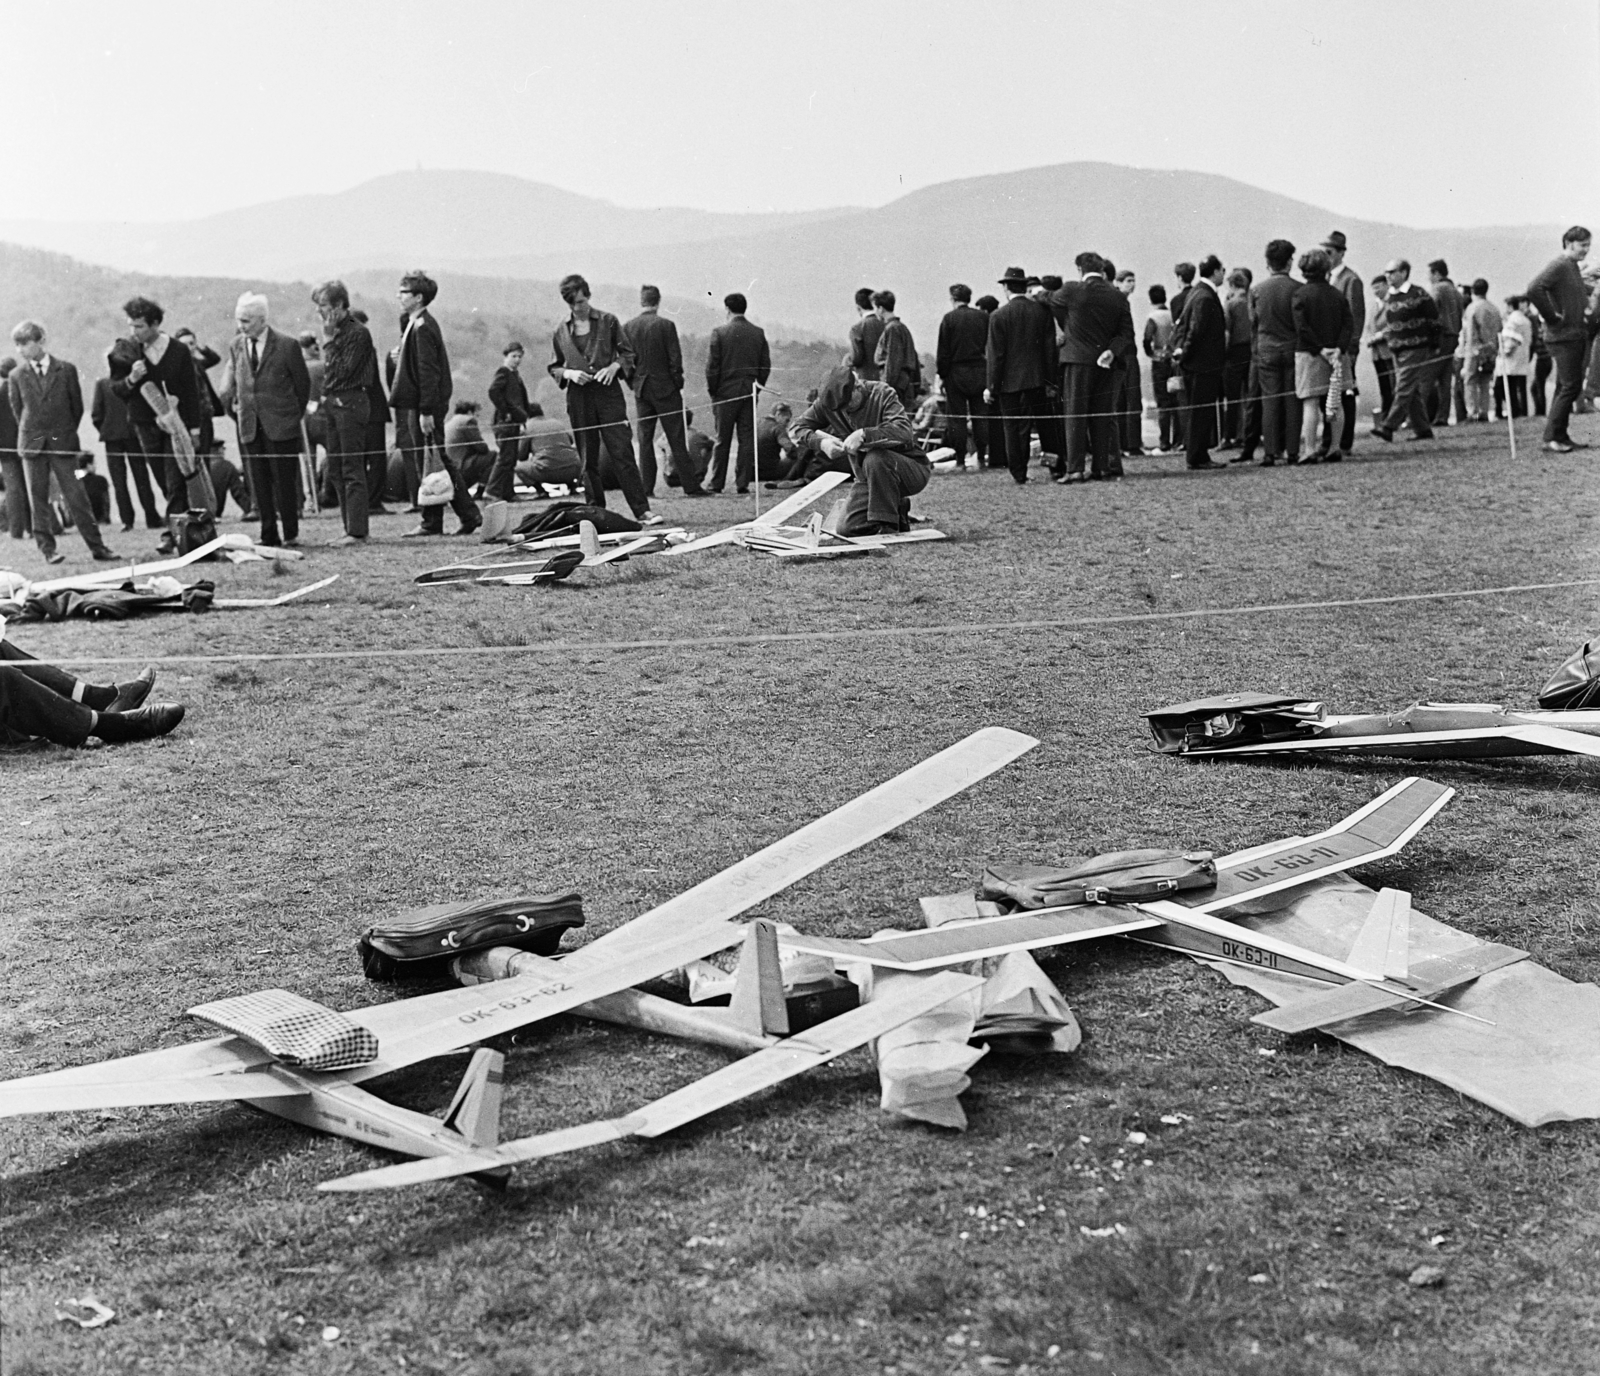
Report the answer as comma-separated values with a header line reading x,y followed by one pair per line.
x,y
1514,360
959,362
1378,345
1236,371
1480,344
1158,349
110,416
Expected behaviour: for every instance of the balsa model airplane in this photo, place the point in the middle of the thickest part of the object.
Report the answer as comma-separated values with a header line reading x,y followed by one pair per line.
x,y
794,503
306,1062
815,541
1260,724
1374,976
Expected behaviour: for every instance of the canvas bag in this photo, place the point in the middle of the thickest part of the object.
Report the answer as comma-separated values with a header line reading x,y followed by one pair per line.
x,y
436,489
1121,876
422,943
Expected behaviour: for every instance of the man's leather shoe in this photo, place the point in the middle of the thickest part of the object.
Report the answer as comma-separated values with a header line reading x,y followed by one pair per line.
x,y
697,492
1559,447
55,557
1382,432
106,556
141,724
348,540
419,530
1203,464
133,693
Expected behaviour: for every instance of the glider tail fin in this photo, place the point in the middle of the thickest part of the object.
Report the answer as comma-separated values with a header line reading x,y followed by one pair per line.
x,y
1380,950
588,539
475,1111
758,1004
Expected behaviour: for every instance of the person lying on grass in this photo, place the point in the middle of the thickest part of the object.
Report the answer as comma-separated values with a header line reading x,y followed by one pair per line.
x,y
865,423
40,700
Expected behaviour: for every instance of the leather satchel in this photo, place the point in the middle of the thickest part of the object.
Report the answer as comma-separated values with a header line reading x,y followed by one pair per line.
x,y
421,944
1123,876
1576,684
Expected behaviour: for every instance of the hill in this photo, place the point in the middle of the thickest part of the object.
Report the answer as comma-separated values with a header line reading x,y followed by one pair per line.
x,y
430,218
969,230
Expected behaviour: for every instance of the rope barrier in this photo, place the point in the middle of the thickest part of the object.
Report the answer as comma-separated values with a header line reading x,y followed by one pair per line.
x,y
573,647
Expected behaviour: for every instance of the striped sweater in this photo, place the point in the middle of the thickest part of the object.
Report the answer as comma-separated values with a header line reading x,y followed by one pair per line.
x,y
1413,320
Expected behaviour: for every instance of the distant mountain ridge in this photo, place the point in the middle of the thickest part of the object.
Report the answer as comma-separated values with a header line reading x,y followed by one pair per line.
x,y
418,218
799,270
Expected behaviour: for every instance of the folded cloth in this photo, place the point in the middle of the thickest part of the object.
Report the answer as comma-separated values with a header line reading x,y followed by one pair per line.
x,y
1116,877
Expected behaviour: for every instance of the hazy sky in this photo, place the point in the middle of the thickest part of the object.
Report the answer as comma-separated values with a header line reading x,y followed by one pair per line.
x,y
1427,112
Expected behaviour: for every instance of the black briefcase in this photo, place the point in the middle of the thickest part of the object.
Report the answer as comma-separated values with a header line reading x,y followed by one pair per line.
x,y
421,944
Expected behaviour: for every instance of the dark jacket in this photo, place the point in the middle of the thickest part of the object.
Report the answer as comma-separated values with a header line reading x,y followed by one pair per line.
x,y
873,407
508,393
963,342
1094,316
607,344
271,398
897,360
658,358
1022,347
864,346
739,356
175,374
47,409
1272,327
1204,330
422,375
1559,294
1348,282
110,416
1321,318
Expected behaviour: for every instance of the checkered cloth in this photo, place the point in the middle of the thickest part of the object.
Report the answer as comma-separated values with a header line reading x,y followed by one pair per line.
x,y
295,1030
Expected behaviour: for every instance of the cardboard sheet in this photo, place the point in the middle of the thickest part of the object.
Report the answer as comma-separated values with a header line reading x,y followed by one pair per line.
x,y
1539,1063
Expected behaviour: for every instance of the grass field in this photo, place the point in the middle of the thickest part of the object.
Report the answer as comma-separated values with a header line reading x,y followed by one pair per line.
x,y
1271,1230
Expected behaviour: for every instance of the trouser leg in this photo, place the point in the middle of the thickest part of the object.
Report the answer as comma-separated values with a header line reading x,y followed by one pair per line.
x,y
19,507
40,467
619,455
347,470
408,435
1203,390
117,469
646,412
375,446
672,427
501,486
884,480
745,425
29,708
260,466
1565,354
1518,389
727,413
69,686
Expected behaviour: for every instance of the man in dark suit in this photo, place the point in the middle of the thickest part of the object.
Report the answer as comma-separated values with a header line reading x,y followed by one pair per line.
x,y
376,443
47,401
658,390
508,394
897,360
1096,330
1020,362
110,416
265,386
421,399
961,364
864,336
739,359
1204,332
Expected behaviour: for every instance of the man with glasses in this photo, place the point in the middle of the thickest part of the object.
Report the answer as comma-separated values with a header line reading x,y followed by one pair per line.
x,y
1411,330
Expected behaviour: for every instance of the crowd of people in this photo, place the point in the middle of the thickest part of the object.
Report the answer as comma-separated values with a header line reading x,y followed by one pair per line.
x,y
1238,361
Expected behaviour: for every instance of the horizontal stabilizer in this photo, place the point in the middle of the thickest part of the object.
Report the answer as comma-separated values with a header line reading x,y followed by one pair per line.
x,y
1382,828
813,491
814,1047
1428,980
958,942
1555,738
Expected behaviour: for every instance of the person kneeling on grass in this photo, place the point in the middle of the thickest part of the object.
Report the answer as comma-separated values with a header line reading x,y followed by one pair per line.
x,y
865,423
40,700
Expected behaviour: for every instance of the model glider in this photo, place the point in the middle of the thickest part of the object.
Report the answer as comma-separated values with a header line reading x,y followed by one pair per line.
x,y
1372,977
306,1062
793,504
1567,722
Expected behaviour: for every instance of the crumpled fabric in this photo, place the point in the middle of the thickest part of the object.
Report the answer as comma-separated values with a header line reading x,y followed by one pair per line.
x,y
1575,686
111,604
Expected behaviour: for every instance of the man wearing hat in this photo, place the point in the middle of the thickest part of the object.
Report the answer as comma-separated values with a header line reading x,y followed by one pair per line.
x,y
1348,283
1021,360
